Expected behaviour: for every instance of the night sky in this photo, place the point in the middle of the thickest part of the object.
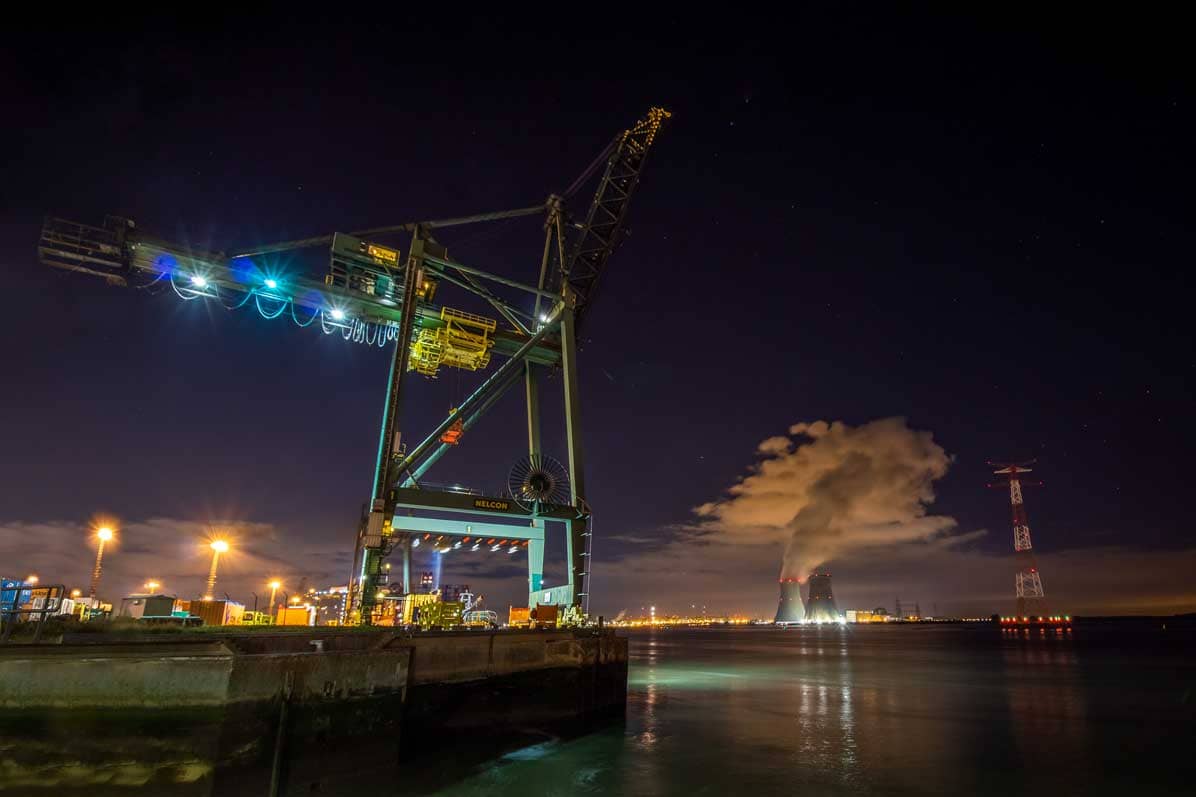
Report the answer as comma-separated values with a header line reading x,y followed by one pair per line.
x,y
973,223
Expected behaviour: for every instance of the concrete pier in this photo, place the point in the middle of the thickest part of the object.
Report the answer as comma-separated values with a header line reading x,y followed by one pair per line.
x,y
279,712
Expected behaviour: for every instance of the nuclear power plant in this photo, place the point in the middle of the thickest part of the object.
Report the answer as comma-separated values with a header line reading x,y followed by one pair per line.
x,y
820,606
817,607
789,610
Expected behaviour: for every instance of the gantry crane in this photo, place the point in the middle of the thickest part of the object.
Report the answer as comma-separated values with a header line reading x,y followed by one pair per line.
x,y
373,294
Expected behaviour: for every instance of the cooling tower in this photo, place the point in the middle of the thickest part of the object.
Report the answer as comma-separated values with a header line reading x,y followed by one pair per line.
x,y
820,607
790,608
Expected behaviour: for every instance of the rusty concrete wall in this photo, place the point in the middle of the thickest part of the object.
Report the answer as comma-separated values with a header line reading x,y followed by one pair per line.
x,y
319,675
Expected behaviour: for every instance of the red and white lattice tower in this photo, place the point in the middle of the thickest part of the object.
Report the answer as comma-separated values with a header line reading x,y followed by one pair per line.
x,y
1030,595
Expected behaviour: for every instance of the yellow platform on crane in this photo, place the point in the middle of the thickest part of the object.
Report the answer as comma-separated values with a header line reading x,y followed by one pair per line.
x,y
463,342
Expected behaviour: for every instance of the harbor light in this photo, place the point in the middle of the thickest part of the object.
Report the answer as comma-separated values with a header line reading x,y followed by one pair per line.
x,y
104,534
274,586
218,547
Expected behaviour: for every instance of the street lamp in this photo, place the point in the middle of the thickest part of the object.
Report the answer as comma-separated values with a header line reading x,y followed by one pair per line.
x,y
274,585
31,578
103,534
218,547
152,585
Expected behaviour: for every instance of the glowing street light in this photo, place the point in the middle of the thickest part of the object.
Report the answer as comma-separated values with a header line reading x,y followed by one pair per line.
x,y
75,593
274,586
218,547
31,578
103,534
151,585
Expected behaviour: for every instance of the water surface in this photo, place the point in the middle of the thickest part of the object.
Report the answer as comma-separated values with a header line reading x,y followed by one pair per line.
x,y
863,710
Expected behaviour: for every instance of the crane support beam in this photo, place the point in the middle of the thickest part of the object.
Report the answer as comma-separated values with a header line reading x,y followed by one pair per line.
x,y
413,476
372,539
475,399
324,240
575,551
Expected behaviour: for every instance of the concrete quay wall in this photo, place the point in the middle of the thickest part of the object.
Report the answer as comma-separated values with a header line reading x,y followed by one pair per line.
x,y
318,664
188,675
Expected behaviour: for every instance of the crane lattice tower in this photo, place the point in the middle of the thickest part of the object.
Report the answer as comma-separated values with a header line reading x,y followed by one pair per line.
x,y
1028,581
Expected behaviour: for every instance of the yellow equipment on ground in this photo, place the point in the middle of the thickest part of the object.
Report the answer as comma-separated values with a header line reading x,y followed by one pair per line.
x,y
414,601
463,342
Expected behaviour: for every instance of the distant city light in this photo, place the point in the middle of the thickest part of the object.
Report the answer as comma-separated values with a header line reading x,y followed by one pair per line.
x,y
31,578
199,281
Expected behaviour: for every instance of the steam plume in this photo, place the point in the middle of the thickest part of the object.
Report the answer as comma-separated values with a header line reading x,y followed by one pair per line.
x,y
830,490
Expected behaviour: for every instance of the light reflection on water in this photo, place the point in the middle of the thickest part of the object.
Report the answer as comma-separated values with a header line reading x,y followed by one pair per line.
x,y
934,710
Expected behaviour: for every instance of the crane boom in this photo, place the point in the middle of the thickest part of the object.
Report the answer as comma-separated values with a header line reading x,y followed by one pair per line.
x,y
123,255
601,232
